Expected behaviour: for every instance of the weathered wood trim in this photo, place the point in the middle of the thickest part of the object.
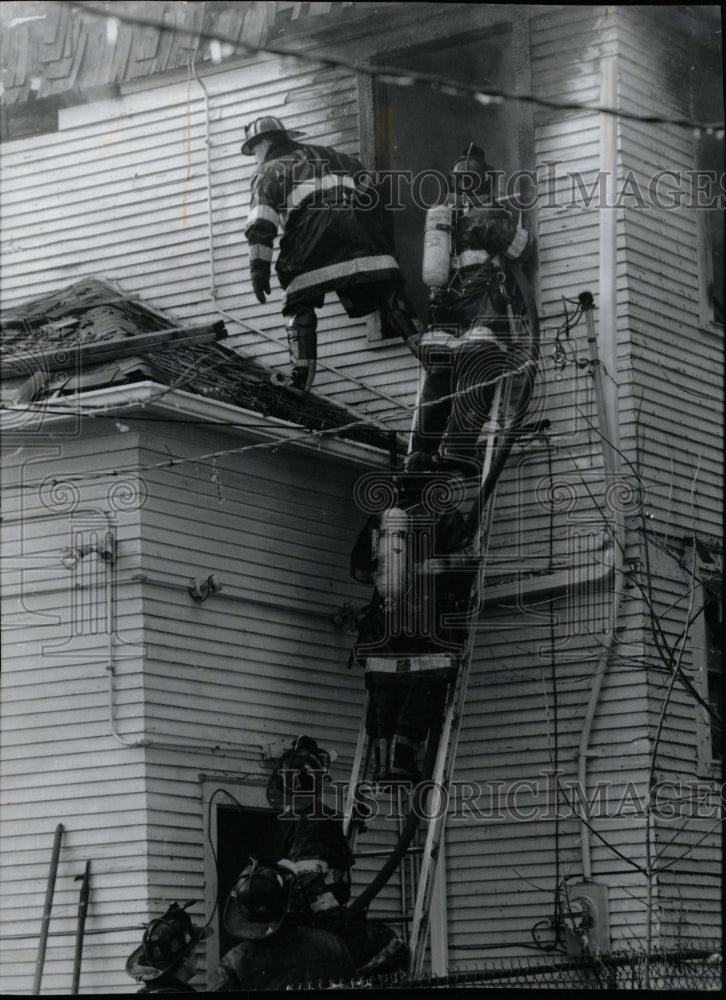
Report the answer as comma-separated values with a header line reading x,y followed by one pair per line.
x,y
78,356
177,404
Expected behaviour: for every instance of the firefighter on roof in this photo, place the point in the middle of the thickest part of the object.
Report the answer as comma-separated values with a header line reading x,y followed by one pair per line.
x,y
332,239
479,299
165,960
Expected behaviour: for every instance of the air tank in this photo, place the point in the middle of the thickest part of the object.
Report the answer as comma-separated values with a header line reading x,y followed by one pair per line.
x,y
392,546
437,247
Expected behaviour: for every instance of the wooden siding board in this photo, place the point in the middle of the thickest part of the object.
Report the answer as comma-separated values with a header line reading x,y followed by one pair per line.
x,y
621,726
267,671
59,760
664,245
138,129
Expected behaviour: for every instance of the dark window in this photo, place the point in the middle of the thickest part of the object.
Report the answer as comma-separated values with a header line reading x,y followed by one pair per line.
x,y
26,118
713,615
423,130
242,834
711,158
708,106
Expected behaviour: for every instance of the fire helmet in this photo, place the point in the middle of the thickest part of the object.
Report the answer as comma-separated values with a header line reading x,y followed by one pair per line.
x,y
265,128
257,903
165,942
470,172
301,760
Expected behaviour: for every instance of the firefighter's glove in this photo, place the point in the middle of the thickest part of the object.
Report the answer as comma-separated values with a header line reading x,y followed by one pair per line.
x,y
260,274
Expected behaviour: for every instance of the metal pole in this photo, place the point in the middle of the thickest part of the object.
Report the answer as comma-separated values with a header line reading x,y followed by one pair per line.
x,y
80,928
45,924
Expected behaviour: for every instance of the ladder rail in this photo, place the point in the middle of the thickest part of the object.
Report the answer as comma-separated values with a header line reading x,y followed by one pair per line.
x,y
448,747
359,905
355,778
439,772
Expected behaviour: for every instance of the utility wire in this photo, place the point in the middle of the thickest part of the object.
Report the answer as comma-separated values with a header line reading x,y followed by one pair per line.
x,y
43,406
396,76
276,443
262,445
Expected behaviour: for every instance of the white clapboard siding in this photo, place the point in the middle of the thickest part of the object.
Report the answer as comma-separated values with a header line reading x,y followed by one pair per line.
x,y
677,366
212,684
121,191
260,662
693,902
60,763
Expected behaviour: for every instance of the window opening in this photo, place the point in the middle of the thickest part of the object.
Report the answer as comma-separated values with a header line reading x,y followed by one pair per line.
x,y
713,628
711,159
423,131
242,834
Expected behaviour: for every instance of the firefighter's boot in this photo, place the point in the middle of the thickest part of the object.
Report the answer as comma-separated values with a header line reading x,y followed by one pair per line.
x,y
302,342
400,315
382,753
403,759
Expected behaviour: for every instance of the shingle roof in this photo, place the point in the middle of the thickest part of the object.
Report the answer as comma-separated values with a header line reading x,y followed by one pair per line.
x,y
90,335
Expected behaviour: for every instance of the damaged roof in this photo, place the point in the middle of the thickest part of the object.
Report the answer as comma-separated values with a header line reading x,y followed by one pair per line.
x,y
51,48
90,335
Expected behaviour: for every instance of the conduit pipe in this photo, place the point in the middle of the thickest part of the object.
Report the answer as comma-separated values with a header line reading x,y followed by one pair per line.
x,y
247,751
607,410
612,470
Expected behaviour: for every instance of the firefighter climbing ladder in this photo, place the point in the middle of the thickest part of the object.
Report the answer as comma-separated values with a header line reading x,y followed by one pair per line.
x,y
441,769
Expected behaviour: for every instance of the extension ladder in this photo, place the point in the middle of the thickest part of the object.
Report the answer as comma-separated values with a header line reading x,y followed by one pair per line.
x,y
443,766
504,423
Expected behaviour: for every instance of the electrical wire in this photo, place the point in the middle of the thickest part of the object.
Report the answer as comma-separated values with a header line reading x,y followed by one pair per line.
x,y
396,76
527,364
559,354
216,791
665,653
112,408
172,461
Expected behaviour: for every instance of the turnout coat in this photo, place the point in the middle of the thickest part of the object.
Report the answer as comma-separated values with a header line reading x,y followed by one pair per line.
x,y
332,232
487,241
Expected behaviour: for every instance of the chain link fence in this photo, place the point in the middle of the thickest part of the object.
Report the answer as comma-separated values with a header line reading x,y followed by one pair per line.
x,y
686,969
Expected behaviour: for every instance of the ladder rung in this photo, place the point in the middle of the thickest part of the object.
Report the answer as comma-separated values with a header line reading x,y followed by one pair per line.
x,y
412,663
385,851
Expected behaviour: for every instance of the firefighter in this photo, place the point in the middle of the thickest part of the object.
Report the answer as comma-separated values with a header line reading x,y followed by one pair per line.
x,y
165,960
406,641
274,953
319,859
401,711
472,254
332,239
473,249
315,849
